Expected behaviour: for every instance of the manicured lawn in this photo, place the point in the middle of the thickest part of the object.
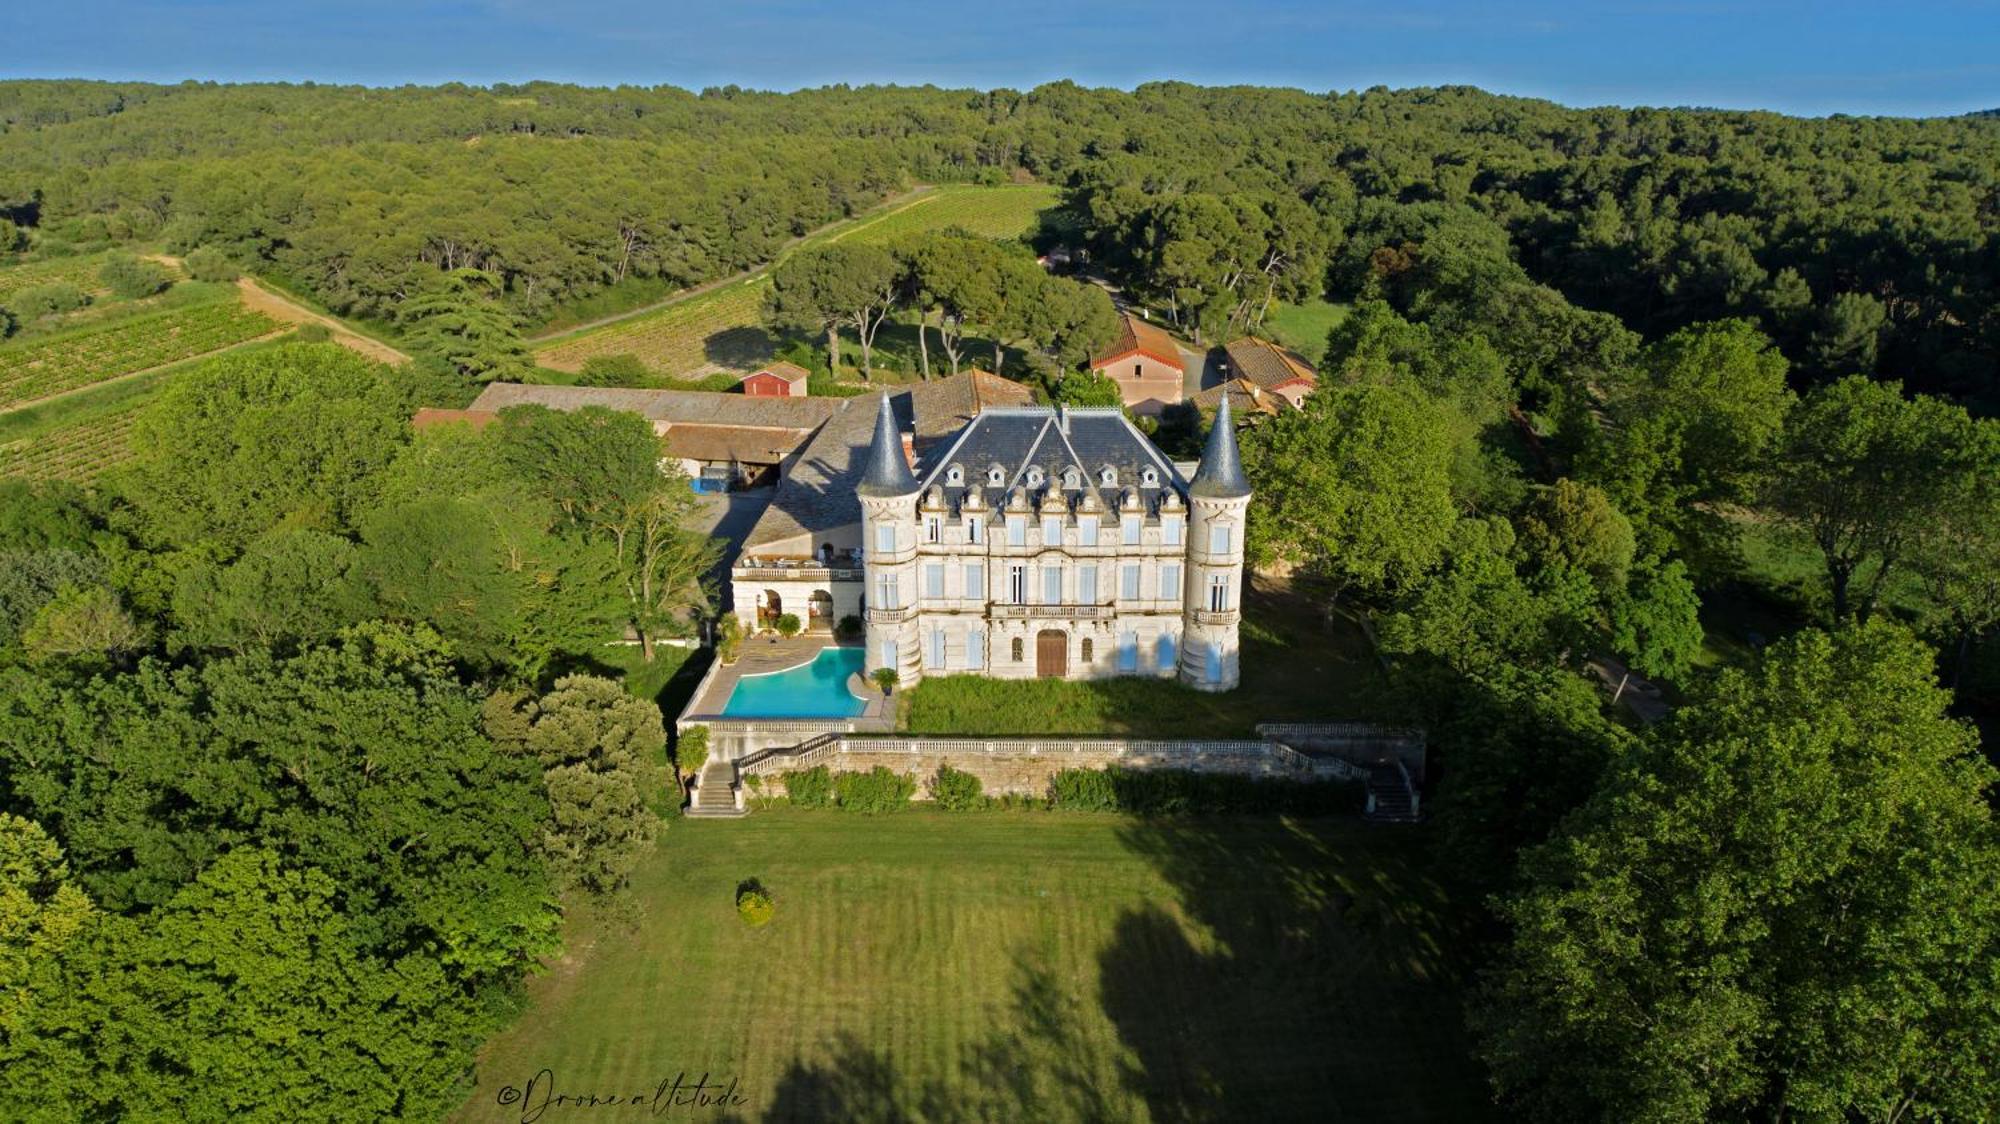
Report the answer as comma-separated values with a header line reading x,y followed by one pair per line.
x,y
1303,327
1013,966
1295,669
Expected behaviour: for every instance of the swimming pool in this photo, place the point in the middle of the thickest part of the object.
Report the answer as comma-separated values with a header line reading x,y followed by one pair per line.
x,y
810,690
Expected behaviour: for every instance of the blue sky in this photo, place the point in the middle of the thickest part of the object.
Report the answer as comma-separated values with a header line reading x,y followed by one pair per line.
x,y
1829,56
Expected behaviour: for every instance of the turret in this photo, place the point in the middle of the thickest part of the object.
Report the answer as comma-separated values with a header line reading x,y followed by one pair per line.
x,y
1218,504
888,493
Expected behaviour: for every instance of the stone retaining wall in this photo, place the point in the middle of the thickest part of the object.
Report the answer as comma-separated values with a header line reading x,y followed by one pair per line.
x,y
1023,766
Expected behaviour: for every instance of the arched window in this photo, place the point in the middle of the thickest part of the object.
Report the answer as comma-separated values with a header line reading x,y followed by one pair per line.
x,y
1087,647
1016,649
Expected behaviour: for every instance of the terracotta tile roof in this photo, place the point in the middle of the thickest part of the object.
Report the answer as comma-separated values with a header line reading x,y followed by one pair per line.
x,y
1267,364
1245,398
1142,338
433,416
742,444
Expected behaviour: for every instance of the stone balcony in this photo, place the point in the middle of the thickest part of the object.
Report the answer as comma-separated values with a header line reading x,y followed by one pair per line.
x,y
1212,616
1051,612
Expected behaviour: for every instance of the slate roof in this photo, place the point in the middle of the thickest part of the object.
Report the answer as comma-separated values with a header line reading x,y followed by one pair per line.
x,y
885,468
1221,473
698,406
817,493
1267,364
1043,448
1143,338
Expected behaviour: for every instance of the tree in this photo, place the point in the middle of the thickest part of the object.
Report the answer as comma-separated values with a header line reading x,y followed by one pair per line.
x,y
614,370
132,278
83,625
1779,905
602,469
1844,341
1865,473
1696,428
457,317
690,754
289,588
1572,524
1958,553
294,434
1656,622
885,679
845,284
1355,488
365,754
1087,388
41,913
599,749
788,625
952,274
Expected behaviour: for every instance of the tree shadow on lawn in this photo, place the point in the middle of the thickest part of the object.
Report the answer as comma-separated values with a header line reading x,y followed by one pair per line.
x,y
1033,1068
1308,973
1325,986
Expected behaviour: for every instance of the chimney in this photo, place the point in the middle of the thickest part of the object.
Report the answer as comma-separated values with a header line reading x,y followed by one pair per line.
x,y
910,449
1062,418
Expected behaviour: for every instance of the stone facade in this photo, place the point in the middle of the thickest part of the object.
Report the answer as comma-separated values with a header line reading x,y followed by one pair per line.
x,y
1052,543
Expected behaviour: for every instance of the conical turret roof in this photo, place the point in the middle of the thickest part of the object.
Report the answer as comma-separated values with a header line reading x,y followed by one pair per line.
x,y
1221,473
886,472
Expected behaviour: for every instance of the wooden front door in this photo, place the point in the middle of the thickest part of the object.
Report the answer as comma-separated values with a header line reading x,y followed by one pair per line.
x,y
1051,654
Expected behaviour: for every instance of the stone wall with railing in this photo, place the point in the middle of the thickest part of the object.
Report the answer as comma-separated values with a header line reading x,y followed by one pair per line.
x,y
1023,766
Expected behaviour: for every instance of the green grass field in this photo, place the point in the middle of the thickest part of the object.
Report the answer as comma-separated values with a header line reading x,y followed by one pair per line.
x,y
1295,669
1303,327
721,329
1013,966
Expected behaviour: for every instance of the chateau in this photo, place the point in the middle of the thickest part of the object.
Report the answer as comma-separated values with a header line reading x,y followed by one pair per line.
x,y
1054,543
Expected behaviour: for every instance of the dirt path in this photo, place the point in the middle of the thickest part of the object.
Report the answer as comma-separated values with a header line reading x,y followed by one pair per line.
x,y
844,227
285,310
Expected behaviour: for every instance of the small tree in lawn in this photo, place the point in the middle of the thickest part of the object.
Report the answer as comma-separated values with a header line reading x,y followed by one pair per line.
x,y
885,678
728,638
788,625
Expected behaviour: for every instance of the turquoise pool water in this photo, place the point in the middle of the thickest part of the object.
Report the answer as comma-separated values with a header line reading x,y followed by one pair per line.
x,y
810,690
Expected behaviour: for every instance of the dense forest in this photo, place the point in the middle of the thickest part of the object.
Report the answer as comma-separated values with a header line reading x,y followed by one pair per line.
x,y
1859,244
300,675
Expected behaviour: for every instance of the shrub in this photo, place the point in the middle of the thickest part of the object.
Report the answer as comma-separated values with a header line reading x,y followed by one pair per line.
x,y
754,904
1083,790
614,370
955,790
849,627
132,278
728,639
691,749
54,298
1168,792
885,678
880,789
809,788
210,264
788,625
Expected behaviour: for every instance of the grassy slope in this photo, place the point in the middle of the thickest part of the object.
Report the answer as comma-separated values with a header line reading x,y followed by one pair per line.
x,y
1015,966
1294,669
723,326
1303,327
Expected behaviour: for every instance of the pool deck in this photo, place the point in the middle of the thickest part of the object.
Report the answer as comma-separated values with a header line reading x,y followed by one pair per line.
x,y
762,655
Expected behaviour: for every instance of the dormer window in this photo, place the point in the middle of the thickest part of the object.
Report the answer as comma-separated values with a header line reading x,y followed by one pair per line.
x,y
1034,478
1107,477
1072,478
1150,478
996,476
954,476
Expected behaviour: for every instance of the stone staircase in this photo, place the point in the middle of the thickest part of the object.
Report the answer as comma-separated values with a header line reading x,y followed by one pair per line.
x,y
1390,797
715,792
